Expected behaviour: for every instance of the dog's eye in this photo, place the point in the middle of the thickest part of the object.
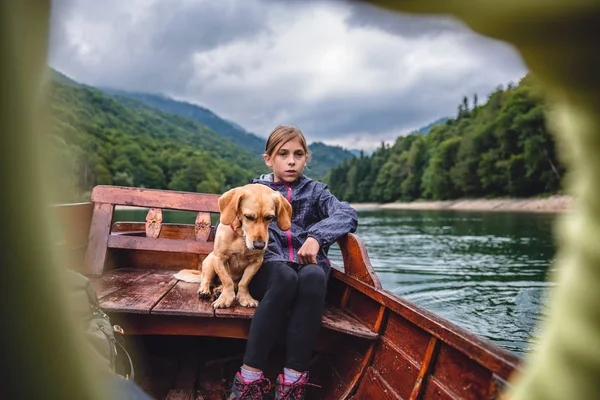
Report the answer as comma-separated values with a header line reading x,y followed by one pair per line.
x,y
249,217
269,218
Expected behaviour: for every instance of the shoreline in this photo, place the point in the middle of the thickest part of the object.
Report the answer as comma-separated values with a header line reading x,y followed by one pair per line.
x,y
552,204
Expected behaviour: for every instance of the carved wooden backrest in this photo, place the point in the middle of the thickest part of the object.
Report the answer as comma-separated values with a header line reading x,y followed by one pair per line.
x,y
105,198
101,238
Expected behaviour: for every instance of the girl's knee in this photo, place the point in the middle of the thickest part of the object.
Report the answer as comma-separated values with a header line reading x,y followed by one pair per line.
x,y
313,272
286,279
312,278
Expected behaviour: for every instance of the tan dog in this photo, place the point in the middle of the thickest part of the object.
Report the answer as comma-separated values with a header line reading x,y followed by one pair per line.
x,y
240,242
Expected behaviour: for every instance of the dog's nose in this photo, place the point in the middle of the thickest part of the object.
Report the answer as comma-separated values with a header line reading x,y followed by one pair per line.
x,y
258,244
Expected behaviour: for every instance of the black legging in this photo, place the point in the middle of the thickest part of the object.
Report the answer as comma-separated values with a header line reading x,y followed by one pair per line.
x,y
282,289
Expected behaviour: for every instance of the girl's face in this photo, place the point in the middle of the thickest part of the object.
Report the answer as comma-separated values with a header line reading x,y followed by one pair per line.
x,y
288,161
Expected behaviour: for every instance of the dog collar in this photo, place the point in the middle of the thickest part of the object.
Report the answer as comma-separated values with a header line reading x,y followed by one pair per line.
x,y
232,228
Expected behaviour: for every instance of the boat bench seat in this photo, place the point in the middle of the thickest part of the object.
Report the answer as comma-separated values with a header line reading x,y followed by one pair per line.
x,y
160,297
139,291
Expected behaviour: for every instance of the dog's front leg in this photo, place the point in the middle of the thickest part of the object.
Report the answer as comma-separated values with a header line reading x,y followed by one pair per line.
x,y
227,296
208,274
243,294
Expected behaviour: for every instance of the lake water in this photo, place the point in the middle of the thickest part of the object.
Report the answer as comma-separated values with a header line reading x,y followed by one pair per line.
x,y
484,271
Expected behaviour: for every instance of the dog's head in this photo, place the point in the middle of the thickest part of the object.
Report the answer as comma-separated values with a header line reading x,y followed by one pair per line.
x,y
255,206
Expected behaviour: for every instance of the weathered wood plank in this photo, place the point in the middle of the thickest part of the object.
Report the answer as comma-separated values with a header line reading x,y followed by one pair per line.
x,y
168,230
396,368
183,300
337,320
117,279
434,390
363,308
337,377
152,324
496,359
425,367
460,374
154,219
333,318
358,376
407,336
142,243
130,233
373,386
185,322
354,382
97,240
141,295
236,311
164,260
152,198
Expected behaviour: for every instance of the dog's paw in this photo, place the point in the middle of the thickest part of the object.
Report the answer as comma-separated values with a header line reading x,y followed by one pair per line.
x,y
247,301
225,300
204,292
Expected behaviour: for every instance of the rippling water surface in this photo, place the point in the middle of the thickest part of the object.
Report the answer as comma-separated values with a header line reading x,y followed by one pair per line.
x,y
483,271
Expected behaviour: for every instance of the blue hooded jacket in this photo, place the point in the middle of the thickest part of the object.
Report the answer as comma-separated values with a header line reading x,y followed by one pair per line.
x,y
315,213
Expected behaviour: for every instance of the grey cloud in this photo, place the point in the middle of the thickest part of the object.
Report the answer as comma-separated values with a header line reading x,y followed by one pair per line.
x,y
375,114
337,116
201,26
155,46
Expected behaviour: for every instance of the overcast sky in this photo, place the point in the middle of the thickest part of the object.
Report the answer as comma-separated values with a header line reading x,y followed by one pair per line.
x,y
346,73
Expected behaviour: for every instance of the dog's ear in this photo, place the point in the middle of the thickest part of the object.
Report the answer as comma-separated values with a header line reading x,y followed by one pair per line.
x,y
284,212
229,203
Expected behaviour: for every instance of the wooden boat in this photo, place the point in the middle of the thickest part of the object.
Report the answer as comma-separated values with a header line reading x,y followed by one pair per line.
x,y
373,344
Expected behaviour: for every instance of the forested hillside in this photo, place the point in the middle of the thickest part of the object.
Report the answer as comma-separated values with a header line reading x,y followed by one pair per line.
x,y
325,157
501,148
202,115
101,140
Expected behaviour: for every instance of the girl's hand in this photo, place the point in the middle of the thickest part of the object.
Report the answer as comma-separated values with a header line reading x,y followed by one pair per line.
x,y
308,252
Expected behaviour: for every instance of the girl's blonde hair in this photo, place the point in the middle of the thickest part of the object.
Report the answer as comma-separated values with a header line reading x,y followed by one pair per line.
x,y
283,134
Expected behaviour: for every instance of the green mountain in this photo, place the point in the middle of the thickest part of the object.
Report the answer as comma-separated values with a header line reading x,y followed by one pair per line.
x,y
56,76
104,139
498,149
206,117
324,157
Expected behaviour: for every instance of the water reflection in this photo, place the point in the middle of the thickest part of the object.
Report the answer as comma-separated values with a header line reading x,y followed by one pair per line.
x,y
483,271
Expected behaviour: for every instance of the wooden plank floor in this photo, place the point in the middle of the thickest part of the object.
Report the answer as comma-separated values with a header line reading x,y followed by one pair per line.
x,y
156,292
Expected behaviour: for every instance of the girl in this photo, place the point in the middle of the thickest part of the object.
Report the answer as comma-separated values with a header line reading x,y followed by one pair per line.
x,y
292,282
